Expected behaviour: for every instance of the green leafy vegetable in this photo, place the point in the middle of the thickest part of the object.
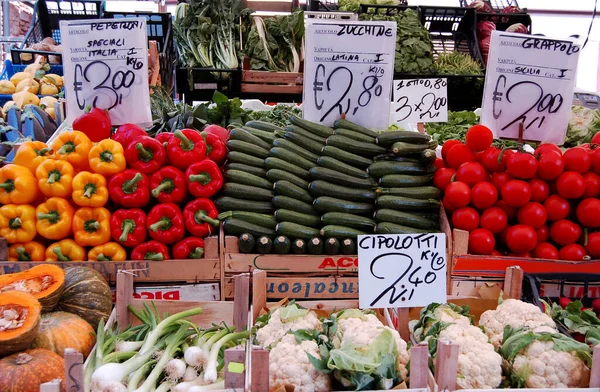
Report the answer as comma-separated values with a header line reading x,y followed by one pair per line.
x,y
278,115
583,125
577,320
457,63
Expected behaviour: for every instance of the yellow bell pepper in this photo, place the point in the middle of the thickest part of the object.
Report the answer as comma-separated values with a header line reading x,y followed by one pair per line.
x,y
17,223
91,226
55,178
55,218
74,147
107,157
31,154
111,251
89,189
65,250
17,185
28,251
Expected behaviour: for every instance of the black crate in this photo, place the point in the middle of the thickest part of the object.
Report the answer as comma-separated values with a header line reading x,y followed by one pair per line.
x,y
532,286
497,5
199,84
388,10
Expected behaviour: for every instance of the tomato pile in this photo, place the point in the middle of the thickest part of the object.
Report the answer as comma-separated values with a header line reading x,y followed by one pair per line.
x,y
542,205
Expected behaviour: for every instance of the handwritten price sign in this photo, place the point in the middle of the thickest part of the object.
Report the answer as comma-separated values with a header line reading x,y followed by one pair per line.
x,y
348,69
529,80
396,271
420,100
106,66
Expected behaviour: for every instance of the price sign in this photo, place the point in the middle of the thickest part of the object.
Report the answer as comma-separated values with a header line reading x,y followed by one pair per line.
x,y
348,69
529,80
106,66
420,100
396,271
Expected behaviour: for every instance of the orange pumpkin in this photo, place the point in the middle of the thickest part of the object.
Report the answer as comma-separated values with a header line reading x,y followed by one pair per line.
x,y
45,282
61,330
19,321
24,372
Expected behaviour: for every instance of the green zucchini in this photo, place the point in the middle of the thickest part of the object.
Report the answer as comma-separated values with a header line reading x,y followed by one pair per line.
x,y
433,144
346,157
247,148
417,192
283,215
310,145
265,220
244,178
359,137
281,245
266,136
294,230
348,247
391,228
286,188
317,129
340,232
405,219
348,220
291,157
323,188
343,123
299,247
358,148
386,139
293,147
382,168
401,203
333,176
245,136
264,245
240,157
256,171
427,157
305,133
402,149
287,203
405,180
331,204
391,157
238,227
246,243
314,246
277,175
262,125
247,192
334,164
276,163
331,246
226,203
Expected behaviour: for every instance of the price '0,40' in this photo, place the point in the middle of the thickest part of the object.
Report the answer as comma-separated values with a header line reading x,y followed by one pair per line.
x,y
109,84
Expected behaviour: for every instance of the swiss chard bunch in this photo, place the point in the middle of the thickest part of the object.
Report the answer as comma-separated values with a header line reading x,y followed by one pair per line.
x,y
577,320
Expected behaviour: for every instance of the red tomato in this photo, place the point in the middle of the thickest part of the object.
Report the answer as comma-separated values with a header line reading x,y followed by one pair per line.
x,y
577,159
593,245
588,213
550,166
479,137
510,211
521,238
564,302
490,159
524,255
596,161
570,185
465,218
499,179
483,195
545,250
545,147
447,206
572,252
218,131
470,173
557,208
439,163
540,190
522,165
596,139
447,146
596,305
481,242
592,184
458,194
543,233
516,193
565,232
496,253
493,219
532,214
443,177
458,155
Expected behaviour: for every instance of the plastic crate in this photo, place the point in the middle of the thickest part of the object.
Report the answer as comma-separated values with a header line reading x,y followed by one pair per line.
x,y
573,286
388,10
199,84
497,5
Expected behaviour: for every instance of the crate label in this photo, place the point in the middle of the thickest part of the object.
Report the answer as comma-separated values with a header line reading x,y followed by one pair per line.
x,y
420,100
402,270
189,292
310,289
529,80
349,66
106,66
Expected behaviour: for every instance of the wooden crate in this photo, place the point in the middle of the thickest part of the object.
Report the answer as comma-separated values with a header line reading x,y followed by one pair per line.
x,y
270,82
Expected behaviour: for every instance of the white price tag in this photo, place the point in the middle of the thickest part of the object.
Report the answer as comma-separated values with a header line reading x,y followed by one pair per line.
x,y
349,68
529,80
398,271
420,100
106,66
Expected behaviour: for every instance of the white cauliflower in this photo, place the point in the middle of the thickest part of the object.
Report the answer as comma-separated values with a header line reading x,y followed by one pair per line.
x,y
289,365
447,313
286,319
517,314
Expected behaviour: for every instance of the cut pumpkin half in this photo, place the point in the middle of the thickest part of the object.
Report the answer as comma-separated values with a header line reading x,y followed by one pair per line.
x,y
45,282
19,321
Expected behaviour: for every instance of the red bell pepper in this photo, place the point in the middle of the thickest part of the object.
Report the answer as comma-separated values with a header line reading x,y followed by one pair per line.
x,y
200,216
186,147
216,150
165,223
128,227
95,123
145,154
164,137
129,189
126,133
168,185
189,248
204,178
151,250
216,130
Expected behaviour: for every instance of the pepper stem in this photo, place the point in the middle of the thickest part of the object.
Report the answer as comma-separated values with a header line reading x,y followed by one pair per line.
x,y
90,189
162,224
53,177
91,225
58,252
143,153
106,156
197,253
101,257
22,254
186,144
128,227
164,186
44,151
129,186
202,217
67,148
15,223
52,216
8,185
154,256
202,178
